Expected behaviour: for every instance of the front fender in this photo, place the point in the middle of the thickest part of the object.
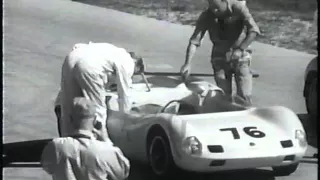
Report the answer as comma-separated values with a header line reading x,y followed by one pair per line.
x,y
175,129
282,117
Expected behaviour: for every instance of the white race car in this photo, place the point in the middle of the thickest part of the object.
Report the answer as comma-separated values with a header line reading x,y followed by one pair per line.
x,y
192,127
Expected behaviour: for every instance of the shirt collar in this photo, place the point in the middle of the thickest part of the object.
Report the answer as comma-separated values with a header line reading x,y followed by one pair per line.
x,y
83,134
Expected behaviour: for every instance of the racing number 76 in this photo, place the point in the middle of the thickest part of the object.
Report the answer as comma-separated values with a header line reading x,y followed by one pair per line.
x,y
251,131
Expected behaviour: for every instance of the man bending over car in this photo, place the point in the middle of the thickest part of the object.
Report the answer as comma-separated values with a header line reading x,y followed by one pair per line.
x,y
87,72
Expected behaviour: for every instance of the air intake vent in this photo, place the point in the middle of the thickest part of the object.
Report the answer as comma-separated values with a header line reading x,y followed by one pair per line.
x,y
286,144
215,149
217,162
289,158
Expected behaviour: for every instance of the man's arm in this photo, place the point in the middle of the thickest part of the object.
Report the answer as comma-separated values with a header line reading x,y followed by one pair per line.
x,y
191,50
48,158
117,165
57,101
123,84
252,27
197,36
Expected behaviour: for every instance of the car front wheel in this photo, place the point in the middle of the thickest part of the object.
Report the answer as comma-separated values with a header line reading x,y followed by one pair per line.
x,y
285,170
160,156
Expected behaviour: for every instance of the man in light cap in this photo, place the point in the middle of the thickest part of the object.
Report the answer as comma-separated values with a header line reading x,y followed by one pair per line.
x,y
88,70
82,156
231,29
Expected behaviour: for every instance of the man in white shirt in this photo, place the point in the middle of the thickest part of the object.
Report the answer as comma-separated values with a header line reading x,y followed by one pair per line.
x,y
86,72
82,156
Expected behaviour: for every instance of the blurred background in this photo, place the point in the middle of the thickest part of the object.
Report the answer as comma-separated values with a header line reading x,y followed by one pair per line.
x,y
284,23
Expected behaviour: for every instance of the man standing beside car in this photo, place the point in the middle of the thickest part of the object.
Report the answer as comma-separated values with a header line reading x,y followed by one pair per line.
x,y
231,29
81,155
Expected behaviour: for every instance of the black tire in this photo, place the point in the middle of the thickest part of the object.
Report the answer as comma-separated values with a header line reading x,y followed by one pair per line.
x,y
159,155
285,170
311,98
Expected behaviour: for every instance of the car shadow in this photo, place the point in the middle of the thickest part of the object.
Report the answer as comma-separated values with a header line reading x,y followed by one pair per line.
x,y
159,81
27,154
311,128
142,172
168,80
23,154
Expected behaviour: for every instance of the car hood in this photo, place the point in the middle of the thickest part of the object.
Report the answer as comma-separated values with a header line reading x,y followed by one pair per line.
x,y
229,128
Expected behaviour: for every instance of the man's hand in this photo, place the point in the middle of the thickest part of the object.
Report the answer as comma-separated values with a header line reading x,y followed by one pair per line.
x,y
102,135
185,71
98,133
236,54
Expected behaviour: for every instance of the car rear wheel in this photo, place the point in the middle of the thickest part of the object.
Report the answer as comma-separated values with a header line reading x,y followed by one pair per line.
x,y
311,99
285,170
159,155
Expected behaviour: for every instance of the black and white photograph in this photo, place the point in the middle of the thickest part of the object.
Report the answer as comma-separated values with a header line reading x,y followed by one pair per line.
x,y
160,89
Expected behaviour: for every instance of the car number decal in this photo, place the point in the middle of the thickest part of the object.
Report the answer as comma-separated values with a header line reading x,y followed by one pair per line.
x,y
233,131
251,131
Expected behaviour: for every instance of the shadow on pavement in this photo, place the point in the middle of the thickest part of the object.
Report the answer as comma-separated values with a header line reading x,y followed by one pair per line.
x,y
142,172
27,154
311,128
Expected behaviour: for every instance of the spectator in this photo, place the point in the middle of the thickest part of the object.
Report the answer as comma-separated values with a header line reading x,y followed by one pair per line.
x,y
81,156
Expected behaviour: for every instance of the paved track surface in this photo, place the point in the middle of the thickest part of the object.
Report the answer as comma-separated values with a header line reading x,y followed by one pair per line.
x,y
38,34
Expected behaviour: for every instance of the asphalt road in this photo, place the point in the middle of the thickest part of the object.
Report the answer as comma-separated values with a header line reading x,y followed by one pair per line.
x,y
38,34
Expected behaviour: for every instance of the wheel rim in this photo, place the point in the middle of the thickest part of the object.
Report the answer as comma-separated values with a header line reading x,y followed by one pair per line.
x,y
158,155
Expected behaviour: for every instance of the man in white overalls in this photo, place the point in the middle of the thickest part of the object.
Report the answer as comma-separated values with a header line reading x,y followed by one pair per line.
x,y
86,72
